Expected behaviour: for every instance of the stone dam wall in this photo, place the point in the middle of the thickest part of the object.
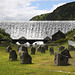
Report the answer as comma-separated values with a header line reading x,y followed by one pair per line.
x,y
36,29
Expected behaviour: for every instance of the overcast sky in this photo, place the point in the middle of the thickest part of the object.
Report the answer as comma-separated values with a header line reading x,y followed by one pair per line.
x,y
23,10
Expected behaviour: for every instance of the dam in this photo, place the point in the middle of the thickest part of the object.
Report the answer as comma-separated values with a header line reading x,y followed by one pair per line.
x,y
36,29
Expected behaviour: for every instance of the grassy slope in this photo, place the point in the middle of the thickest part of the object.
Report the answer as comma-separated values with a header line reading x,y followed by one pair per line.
x,y
70,34
43,64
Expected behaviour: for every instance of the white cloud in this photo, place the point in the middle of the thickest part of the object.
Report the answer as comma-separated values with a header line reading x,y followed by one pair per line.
x,y
55,6
20,10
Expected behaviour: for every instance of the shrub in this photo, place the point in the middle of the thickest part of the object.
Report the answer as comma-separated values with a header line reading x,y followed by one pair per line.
x,y
4,35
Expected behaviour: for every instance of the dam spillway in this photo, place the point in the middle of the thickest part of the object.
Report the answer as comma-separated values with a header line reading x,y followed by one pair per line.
x,y
36,29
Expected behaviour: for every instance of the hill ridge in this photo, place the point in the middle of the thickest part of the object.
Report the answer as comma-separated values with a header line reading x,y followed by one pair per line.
x,y
64,12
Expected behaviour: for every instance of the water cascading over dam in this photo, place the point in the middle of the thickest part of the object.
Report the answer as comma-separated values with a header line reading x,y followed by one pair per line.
x,y
36,29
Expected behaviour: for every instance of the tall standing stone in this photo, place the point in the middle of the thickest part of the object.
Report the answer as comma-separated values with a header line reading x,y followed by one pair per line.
x,y
71,48
60,60
66,53
12,55
23,48
51,51
61,48
74,37
18,47
42,49
39,49
8,49
46,47
25,58
33,49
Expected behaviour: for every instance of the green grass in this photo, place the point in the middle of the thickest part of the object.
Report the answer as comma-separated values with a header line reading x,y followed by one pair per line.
x,y
42,64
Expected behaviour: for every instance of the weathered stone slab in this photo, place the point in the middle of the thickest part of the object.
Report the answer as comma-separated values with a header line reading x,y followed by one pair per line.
x,y
51,50
8,49
71,48
18,47
61,48
60,60
25,58
74,37
33,49
23,48
39,49
12,55
66,53
46,47
42,49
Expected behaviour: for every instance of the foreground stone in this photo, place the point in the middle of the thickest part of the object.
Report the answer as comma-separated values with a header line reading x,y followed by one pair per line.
x,y
74,37
8,49
61,48
51,51
39,49
66,53
46,47
60,60
18,47
42,49
33,49
12,55
25,58
23,48
71,48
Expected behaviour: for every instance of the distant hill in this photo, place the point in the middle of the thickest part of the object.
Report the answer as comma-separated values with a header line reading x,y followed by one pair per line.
x,y
64,12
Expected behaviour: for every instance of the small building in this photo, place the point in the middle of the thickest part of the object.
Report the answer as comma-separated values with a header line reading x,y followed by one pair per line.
x,y
58,35
48,39
22,40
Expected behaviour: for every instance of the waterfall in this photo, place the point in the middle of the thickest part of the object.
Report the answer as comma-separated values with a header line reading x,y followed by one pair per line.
x,y
36,29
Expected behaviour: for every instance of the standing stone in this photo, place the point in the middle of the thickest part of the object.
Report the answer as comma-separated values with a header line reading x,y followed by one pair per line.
x,y
46,47
66,53
60,60
18,47
39,49
22,40
23,48
33,49
12,55
47,39
42,49
51,51
74,37
70,48
8,49
61,48
25,58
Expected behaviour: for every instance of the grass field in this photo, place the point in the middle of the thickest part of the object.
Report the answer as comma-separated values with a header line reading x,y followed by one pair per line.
x,y
42,64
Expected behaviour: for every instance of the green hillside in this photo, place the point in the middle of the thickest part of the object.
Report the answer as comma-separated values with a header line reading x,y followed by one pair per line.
x,y
4,35
64,12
